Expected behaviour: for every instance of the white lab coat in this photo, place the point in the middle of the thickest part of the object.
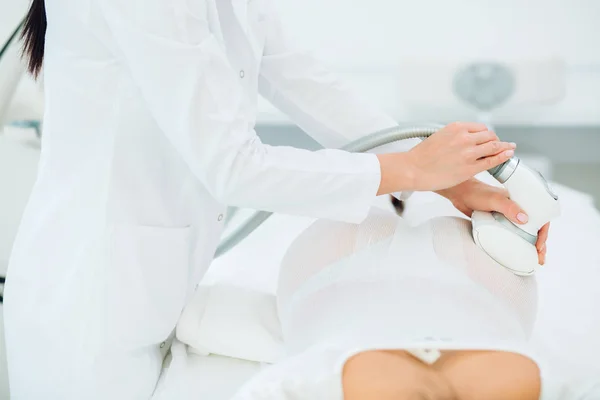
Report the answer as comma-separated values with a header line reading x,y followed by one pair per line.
x,y
148,135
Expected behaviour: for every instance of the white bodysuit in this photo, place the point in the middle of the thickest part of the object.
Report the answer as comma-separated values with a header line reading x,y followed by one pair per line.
x,y
347,288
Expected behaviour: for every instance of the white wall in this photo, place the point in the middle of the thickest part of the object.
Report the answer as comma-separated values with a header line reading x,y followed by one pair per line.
x,y
374,32
369,40
11,11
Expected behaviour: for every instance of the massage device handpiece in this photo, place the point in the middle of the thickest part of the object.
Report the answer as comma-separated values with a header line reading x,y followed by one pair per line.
x,y
511,245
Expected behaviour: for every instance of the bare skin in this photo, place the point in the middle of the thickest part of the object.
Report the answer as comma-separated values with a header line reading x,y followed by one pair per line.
x,y
447,158
457,375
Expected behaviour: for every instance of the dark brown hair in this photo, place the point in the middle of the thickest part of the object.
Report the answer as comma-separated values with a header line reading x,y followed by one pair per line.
x,y
34,36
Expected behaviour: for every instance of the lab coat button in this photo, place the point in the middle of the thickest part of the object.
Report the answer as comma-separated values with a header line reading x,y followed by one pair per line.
x,y
162,344
220,217
242,74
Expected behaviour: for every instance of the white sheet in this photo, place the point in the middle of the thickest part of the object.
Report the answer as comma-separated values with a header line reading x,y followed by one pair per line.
x,y
568,324
196,377
238,295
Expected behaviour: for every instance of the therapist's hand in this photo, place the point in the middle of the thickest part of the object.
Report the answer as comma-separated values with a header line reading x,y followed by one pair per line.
x,y
454,154
474,195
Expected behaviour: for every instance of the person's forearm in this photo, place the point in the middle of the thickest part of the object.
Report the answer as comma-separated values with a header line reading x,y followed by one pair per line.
x,y
397,173
448,192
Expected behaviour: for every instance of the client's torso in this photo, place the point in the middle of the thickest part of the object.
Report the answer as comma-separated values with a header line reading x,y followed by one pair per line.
x,y
396,287
384,289
357,302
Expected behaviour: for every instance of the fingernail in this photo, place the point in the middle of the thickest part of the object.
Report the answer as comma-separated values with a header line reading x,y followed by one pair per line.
x,y
509,153
513,145
523,218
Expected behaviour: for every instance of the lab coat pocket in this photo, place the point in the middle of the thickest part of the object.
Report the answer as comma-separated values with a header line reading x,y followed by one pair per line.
x,y
147,283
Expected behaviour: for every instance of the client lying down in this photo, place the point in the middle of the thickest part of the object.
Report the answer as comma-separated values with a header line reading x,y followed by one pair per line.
x,y
382,310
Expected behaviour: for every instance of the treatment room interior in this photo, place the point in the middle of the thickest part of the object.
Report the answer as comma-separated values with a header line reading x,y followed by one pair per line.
x,y
407,56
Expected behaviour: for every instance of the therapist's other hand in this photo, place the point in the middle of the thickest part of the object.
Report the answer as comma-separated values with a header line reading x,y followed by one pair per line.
x,y
474,195
456,153
541,243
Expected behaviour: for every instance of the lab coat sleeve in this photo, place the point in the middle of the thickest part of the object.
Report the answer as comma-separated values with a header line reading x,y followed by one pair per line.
x,y
314,98
195,96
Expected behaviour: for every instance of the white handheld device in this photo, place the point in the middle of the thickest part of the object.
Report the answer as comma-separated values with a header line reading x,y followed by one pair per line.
x,y
513,246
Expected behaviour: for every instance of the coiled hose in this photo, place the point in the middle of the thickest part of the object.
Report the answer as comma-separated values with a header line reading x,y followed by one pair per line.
x,y
361,145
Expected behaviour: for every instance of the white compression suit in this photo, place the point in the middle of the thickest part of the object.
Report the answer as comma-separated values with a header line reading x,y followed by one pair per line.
x,y
345,288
